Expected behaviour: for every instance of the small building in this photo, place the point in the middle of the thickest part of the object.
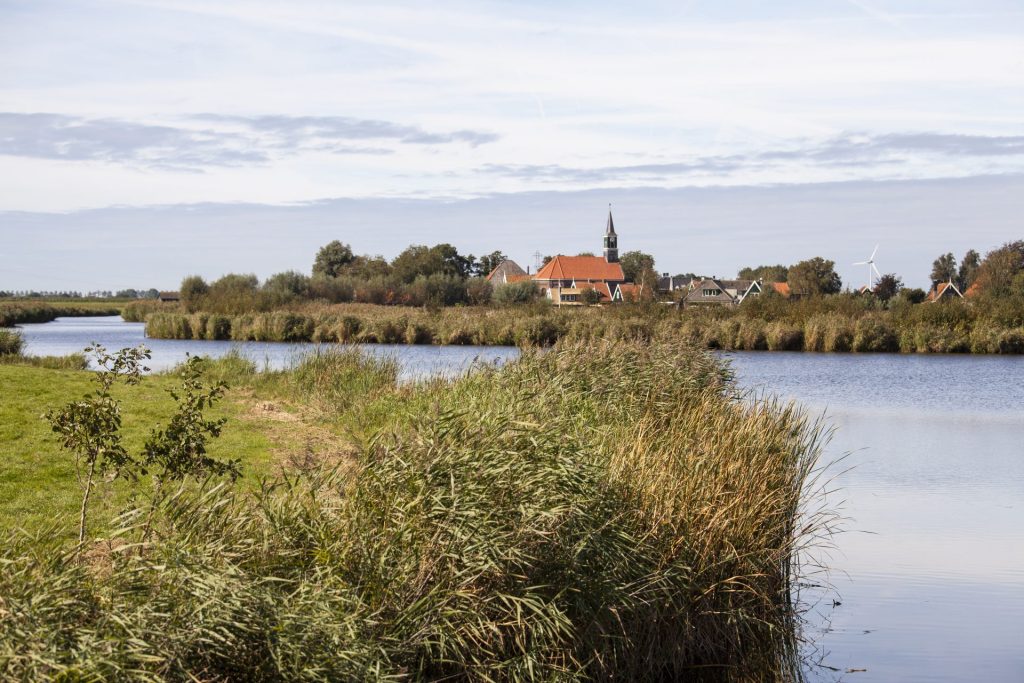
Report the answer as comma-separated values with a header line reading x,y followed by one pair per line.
x,y
670,283
169,297
943,291
781,288
506,272
711,291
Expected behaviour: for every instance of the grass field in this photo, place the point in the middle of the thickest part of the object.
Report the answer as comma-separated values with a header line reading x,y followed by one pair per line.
x,y
38,484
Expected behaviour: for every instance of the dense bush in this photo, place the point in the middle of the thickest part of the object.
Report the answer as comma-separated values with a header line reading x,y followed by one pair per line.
x,y
11,343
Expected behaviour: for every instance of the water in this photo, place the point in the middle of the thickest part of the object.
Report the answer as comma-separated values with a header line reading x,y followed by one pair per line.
x,y
930,569
71,335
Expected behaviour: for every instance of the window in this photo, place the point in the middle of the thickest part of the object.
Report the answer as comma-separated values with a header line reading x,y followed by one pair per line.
x,y
710,292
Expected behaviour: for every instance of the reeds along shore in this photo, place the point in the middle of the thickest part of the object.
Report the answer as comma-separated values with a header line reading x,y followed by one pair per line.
x,y
20,312
840,325
602,511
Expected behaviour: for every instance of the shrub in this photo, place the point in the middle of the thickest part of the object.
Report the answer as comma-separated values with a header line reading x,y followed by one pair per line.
x,y
874,334
11,343
784,337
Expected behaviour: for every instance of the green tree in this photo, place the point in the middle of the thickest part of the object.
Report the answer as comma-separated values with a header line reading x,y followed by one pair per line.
x,y
90,428
287,285
441,259
193,290
489,262
888,286
814,277
332,259
179,450
968,272
479,291
914,295
638,267
1001,266
234,293
590,296
368,267
944,269
776,273
516,293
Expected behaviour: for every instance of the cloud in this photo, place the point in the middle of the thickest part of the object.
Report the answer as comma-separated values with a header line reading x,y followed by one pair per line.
x,y
843,151
309,130
221,141
55,136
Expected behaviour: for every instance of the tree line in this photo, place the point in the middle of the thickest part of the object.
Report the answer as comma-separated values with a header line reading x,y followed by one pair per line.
x,y
421,275
999,274
70,294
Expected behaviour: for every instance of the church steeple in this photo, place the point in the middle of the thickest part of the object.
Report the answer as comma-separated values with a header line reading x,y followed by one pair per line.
x,y
611,240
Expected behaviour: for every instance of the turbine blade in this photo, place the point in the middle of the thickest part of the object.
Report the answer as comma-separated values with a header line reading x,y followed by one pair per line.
x,y
876,271
861,263
873,253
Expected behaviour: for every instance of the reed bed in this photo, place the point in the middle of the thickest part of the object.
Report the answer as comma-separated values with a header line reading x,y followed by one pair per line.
x,y
838,327
602,511
20,312
12,352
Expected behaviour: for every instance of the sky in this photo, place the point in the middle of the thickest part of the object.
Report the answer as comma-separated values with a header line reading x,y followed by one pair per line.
x,y
145,140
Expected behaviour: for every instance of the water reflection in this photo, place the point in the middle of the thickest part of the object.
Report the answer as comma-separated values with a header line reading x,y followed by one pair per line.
x,y
932,562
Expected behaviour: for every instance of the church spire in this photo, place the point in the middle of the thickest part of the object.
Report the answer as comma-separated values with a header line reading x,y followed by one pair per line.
x,y
611,240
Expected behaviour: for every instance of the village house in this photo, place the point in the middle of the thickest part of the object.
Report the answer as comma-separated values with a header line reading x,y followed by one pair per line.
x,y
943,291
506,272
708,291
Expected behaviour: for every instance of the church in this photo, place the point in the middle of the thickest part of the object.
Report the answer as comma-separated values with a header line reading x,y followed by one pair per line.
x,y
565,280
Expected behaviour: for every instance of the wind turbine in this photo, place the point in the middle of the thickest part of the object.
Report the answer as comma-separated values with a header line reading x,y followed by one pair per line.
x,y
870,263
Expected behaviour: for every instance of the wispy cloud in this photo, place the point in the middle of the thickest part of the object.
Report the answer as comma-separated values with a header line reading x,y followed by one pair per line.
x,y
307,131
844,151
221,141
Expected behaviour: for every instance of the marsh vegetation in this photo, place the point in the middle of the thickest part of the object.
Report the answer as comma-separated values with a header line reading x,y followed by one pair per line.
x,y
602,510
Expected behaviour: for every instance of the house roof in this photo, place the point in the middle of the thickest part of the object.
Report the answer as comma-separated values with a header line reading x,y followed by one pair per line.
x,y
629,289
781,287
585,268
943,289
973,290
505,271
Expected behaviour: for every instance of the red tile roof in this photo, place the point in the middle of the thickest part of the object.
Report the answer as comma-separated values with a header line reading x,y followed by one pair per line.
x,y
781,287
593,268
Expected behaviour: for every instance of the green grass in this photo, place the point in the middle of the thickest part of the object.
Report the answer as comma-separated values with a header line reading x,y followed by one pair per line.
x,y
38,484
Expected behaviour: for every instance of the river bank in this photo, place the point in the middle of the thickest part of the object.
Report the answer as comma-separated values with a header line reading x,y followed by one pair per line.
x,y
818,327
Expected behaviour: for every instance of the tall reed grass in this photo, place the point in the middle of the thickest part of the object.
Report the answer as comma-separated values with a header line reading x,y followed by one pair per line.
x,y
605,510
19,312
